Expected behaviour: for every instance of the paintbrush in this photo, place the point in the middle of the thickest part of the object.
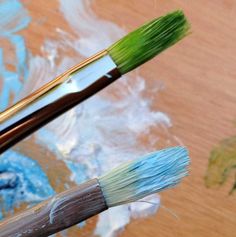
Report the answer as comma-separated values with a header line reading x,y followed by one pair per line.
x,y
127,183
90,76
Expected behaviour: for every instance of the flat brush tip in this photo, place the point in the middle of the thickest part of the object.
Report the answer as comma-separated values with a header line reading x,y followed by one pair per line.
x,y
152,173
149,40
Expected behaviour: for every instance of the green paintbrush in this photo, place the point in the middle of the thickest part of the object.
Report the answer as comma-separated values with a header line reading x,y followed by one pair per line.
x,y
90,76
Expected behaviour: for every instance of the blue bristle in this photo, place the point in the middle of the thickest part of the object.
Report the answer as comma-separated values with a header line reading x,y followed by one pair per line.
x,y
152,173
161,170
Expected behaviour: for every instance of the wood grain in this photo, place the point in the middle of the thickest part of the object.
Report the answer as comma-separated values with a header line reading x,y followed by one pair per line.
x,y
199,76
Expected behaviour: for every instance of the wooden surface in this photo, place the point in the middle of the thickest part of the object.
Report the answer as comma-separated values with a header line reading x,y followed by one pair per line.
x,y
200,80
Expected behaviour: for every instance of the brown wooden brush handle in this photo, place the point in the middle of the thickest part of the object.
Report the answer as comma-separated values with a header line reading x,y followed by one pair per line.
x,y
57,213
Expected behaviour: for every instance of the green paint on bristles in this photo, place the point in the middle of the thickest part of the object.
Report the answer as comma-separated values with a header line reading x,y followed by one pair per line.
x,y
149,40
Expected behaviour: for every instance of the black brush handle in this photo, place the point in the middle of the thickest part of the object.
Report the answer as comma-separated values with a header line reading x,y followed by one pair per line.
x,y
57,213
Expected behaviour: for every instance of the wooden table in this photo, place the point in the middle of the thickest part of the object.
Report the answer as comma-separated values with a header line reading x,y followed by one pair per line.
x,y
200,81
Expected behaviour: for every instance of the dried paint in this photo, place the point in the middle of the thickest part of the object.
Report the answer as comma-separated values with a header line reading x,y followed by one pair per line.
x,y
222,163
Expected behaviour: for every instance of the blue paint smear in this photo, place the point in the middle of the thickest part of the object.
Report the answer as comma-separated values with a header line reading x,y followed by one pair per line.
x,y
13,18
21,181
79,170
21,178
11,83
21,56
48,138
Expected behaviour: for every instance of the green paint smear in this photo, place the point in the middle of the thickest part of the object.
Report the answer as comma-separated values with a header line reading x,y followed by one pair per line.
x,y
221,163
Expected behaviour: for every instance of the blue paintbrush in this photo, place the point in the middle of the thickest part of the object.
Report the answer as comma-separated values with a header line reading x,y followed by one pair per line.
x,y
127,183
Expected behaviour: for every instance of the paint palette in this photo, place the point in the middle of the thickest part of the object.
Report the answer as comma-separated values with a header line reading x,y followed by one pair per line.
x,y
186,96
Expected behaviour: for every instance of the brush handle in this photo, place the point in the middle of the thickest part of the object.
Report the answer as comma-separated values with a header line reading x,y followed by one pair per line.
x,y
55,98
60,212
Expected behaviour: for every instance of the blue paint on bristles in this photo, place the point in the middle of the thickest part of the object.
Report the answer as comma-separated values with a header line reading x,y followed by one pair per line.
x,y
150,174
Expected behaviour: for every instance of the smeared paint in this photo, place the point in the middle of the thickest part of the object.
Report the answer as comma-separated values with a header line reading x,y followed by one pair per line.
x,y
21,181
119,217
146,207
14,18
222,163
114,220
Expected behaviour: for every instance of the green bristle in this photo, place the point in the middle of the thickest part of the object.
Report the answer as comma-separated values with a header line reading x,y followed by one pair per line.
x,y
149,40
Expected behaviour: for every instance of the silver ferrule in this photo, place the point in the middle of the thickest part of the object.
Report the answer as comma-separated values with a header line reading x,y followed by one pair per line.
x,y
76,80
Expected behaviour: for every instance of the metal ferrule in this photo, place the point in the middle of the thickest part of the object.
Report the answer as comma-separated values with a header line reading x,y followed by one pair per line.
x,y
77,79
67,90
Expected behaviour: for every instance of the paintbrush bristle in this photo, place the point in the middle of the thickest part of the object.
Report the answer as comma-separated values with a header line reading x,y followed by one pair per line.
x,y
149,174
149,40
